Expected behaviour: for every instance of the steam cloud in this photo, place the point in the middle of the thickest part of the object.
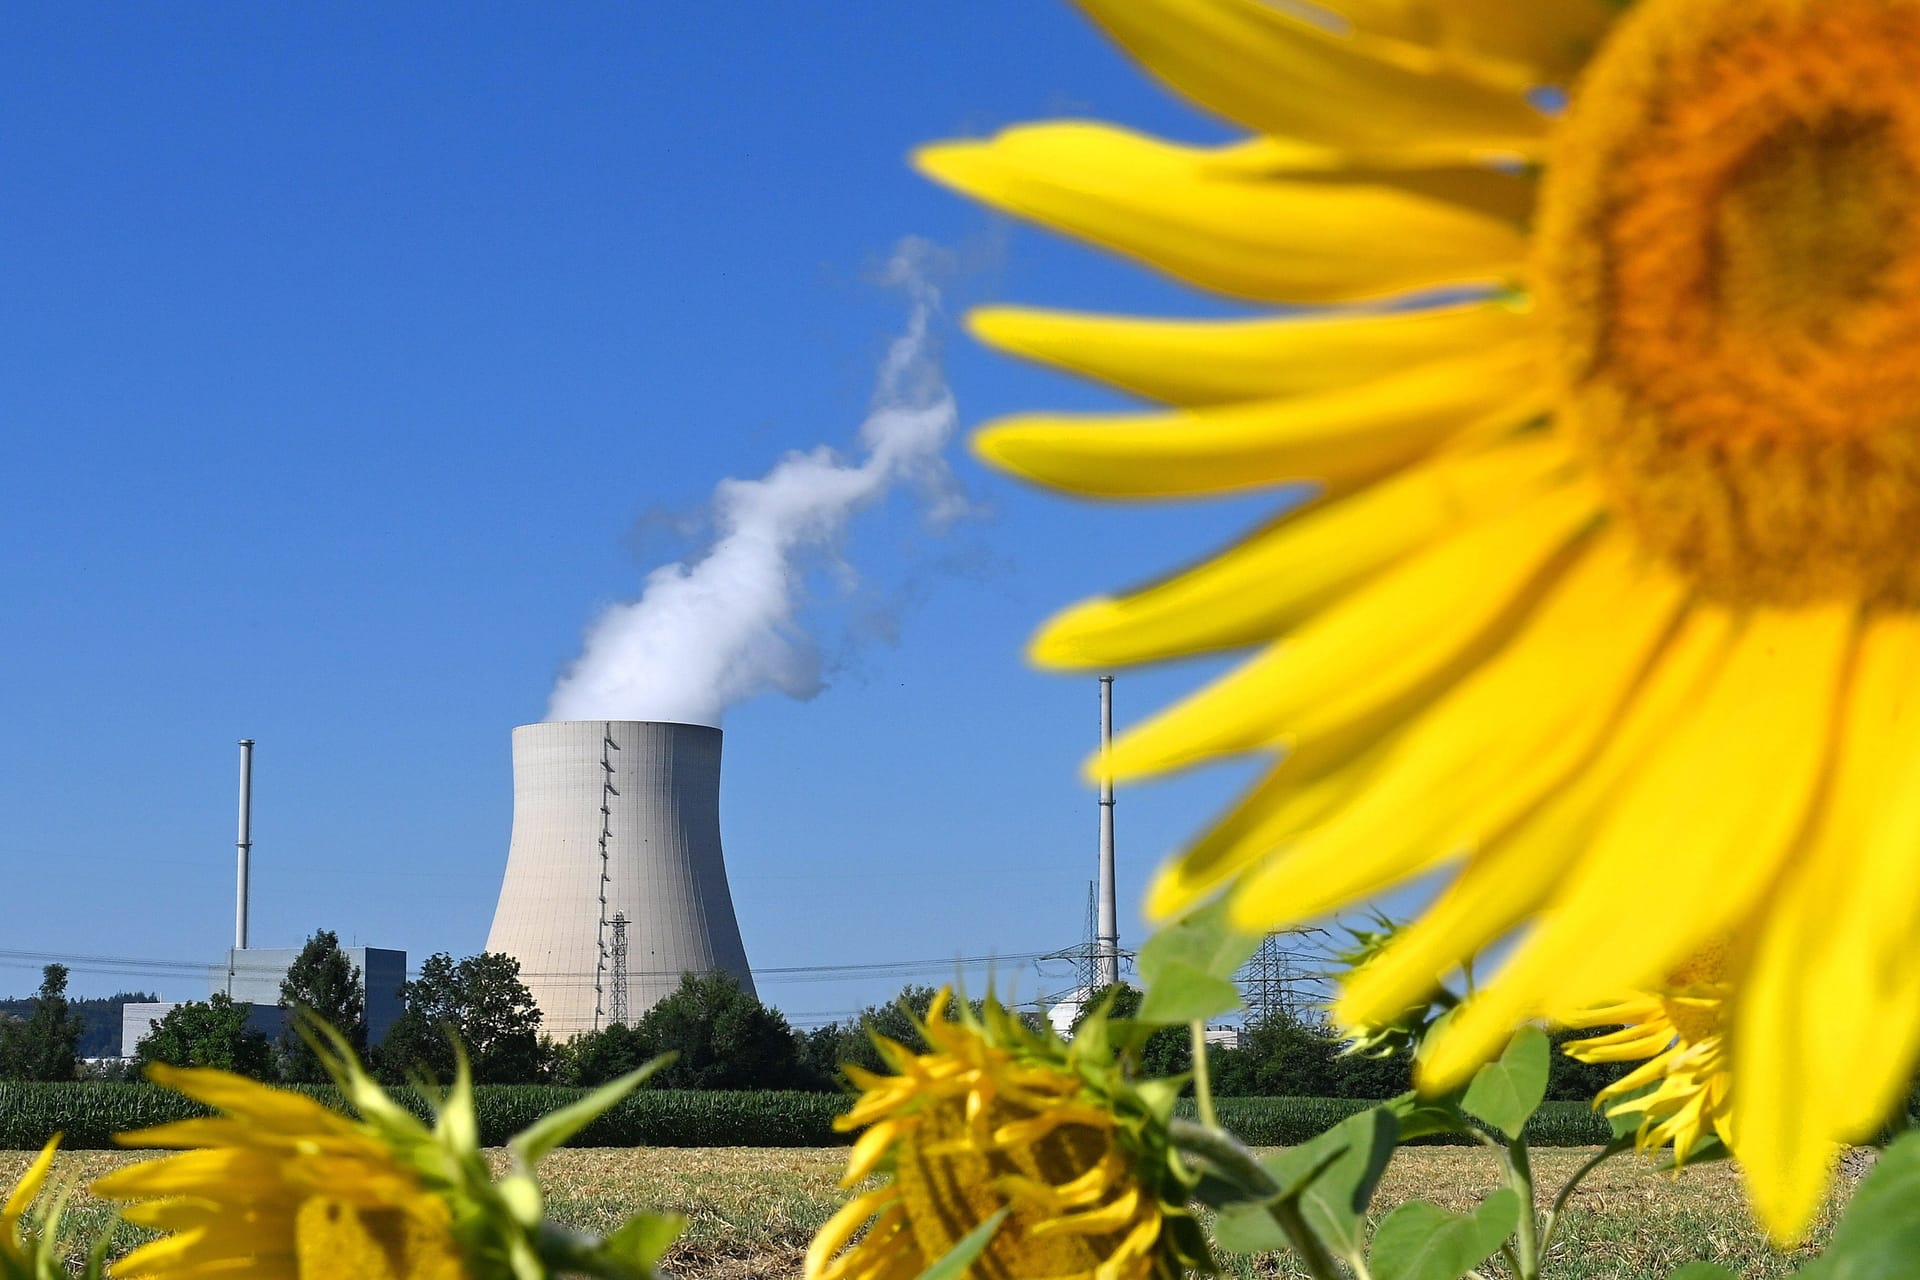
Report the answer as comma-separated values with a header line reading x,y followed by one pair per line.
x,y
708,633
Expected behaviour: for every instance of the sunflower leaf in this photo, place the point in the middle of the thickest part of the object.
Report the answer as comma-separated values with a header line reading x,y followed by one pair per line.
x,y
1422,1117
1510,1088
1181,992
1335,1202
1203,941
1421,1241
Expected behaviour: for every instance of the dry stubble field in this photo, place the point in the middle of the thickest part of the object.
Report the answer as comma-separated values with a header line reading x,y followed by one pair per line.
x,y
751,1211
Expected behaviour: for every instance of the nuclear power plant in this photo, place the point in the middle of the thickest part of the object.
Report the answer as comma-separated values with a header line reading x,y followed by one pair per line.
x,y
615,883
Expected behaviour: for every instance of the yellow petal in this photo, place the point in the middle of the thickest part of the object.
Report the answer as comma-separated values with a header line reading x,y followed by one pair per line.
x,y
1290,797
840,1228
1826,1017
1489,749
1202,362
1301,563
1373,650
1504,884
1272,240
868,1152
1337,438
1554,36
1278,73
1706,825
276,1110
28,1187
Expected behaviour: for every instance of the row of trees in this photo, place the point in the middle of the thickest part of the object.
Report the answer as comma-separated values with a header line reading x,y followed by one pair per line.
x,y
723,1037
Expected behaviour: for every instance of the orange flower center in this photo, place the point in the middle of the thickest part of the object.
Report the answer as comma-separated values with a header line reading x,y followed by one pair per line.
x,y
1730,257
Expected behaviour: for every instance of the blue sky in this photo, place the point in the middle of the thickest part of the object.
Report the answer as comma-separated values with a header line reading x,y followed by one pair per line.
x,y
351,359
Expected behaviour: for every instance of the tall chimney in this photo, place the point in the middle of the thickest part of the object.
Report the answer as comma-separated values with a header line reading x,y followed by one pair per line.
x,y
245,842
1107,944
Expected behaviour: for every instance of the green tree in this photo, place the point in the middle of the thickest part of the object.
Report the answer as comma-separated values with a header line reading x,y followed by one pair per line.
x,y
209,1033
1280,1057
45,1045
724,1038
596,1057
326,984
482,1001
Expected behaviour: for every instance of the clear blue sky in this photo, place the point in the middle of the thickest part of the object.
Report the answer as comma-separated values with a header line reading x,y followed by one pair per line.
x,y
349,359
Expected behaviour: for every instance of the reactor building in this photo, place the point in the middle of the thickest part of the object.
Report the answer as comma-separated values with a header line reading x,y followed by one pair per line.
x,y
615,885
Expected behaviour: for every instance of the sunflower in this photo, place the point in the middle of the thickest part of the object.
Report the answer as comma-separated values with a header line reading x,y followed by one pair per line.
x,y
1681,1089
33,1253
279,1185
997,1117
1603,353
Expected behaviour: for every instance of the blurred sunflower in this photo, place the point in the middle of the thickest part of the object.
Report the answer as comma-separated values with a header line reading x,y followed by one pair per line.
x,y
999,1118
33,1252
1609,378
1681,1091
279,1185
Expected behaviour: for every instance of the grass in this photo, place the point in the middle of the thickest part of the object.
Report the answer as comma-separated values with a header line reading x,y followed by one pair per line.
x,y
751,1211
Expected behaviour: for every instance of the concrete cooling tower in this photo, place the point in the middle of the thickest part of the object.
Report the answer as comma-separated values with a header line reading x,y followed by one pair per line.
x,y
615,886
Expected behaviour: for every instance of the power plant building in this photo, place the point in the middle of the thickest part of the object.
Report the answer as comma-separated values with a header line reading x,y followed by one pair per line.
x,y
615,884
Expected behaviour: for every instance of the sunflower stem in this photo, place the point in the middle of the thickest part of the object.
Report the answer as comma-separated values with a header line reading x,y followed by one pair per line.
x,y
1526,1236
1202,1085
1552,1221
1233,1161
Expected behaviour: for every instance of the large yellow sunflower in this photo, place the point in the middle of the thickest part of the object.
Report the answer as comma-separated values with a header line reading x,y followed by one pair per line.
x,y
1609,375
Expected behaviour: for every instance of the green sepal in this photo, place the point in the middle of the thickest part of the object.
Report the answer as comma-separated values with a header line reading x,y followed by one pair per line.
x,y
552,1130
1508,1090
953,1264
1709,1150
1421,1241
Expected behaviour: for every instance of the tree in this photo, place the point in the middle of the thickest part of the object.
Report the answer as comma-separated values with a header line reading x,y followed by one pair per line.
x,y
595,1057
725,1038
327,985
1280,1057
210,1033
46,1044
482,1001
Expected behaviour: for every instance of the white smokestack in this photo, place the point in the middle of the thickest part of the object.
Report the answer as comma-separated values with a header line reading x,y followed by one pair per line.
x,y
707,633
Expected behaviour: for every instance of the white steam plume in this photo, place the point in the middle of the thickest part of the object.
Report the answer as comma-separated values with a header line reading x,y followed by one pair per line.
x,y
708,632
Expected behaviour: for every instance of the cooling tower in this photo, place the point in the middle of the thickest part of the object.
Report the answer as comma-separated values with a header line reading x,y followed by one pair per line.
x,y
616,831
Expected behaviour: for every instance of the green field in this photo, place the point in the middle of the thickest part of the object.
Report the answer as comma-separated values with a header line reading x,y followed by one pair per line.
x,y
751,1211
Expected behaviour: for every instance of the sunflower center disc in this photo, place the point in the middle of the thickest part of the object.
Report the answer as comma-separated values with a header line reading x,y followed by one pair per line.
x,y
1730,257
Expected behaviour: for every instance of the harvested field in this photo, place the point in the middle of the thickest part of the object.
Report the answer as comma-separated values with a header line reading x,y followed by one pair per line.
x,y
751,1211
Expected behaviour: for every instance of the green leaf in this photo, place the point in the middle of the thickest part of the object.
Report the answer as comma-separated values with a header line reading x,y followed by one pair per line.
x,y
1880,1236
1202,941
644,1238
551,1130
1249,1227
1421,1241
1510,1088
1335,1201
954,1262
1180,993
1419,1117
1702,1271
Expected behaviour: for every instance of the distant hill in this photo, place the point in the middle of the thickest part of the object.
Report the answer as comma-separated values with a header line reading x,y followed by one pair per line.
x,y
100,1016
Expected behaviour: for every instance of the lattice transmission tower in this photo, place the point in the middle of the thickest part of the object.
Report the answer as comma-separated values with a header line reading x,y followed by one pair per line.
x,y
617,1002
